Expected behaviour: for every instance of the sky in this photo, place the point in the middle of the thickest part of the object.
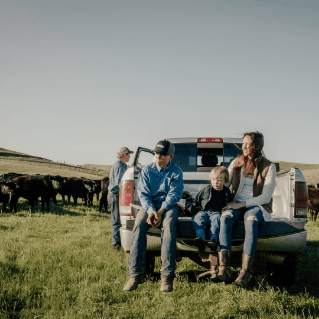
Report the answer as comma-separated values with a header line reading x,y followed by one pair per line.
x,y
79,79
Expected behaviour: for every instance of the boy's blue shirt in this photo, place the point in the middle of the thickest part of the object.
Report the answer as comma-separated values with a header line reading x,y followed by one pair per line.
x,y
160,188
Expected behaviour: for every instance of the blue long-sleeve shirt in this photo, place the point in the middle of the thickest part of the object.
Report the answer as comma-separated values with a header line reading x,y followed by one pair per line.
x,y
117,171
160,188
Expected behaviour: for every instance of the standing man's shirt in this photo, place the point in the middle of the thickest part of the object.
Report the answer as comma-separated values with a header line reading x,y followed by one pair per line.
x,y
160,188
116,174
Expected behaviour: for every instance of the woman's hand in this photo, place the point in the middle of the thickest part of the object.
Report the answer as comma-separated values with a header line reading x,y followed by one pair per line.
x,y
234,205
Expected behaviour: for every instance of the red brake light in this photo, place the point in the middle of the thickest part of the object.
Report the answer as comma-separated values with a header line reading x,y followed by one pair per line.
x,y
210,140
126,198
301,195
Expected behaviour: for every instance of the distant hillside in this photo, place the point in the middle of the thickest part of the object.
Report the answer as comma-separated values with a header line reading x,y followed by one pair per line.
x,y
8,153
310,171
17,162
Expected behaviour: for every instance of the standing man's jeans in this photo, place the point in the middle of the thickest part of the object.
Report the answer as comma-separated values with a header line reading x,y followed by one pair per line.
x,y
138,244
113,200
252,216
201,220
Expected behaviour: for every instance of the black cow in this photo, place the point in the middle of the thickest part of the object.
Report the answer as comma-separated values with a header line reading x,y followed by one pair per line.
x,y
90,186
61,190
7,193
97,188
78,188
313,201
104,188
31,187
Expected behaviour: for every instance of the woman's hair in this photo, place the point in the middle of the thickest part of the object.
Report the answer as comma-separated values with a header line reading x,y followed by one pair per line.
x,y
216,171
258,142
257,139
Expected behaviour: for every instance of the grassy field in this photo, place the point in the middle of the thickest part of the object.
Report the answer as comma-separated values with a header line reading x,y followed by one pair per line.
x,y
60,264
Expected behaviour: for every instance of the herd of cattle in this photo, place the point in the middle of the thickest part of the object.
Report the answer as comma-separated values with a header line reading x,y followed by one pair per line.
x,y
32,187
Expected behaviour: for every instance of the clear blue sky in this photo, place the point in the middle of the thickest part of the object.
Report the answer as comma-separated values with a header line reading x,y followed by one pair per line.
x,y
79,79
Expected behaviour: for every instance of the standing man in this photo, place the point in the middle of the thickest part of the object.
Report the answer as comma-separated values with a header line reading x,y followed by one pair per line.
x,y
116,174
159,189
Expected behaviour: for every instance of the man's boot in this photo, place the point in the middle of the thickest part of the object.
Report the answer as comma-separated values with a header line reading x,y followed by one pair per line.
x,y
245,273
133,283
224,271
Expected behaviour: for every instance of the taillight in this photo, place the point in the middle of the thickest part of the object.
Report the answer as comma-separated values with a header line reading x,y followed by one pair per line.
x,y
301,199
210,140
126,198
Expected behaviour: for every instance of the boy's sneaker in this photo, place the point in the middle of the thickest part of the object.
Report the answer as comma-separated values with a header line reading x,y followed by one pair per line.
x,y
212,245
200,244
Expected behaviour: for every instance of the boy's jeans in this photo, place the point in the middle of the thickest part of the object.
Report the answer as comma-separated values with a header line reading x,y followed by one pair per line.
x,y
113,200
252,216
200,221
138,244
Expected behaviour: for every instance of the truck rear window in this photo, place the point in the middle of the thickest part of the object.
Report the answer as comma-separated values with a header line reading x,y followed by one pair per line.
x,y
194,157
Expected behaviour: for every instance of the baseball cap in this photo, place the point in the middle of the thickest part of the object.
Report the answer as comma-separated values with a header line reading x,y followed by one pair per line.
x,y
124,150
165,147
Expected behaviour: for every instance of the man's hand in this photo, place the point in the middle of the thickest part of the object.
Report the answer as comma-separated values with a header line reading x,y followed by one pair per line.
x,y
234,205
159,217
151,218
155,218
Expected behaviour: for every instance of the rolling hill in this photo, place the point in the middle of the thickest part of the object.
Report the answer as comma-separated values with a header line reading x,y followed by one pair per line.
x,y
9,162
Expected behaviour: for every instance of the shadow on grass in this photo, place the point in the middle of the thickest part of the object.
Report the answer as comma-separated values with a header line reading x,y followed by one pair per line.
x,y
62,208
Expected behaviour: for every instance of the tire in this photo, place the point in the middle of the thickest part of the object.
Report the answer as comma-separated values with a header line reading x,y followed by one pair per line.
x,y
284,274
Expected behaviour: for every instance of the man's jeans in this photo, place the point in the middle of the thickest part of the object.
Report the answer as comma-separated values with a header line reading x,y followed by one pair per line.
x,y
202,218
113,200
252,216
138,244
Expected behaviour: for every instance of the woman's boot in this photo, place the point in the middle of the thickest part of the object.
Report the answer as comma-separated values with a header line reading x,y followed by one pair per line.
x,y
224,271
244,275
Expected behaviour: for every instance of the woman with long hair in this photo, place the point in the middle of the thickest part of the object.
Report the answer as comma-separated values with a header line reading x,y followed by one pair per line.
x,y
252,181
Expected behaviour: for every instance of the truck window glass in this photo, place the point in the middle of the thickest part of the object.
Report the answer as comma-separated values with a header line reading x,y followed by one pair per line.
x,y
186,156
231,151
192,157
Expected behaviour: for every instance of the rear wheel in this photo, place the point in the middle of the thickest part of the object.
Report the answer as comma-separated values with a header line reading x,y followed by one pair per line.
x,y
284,274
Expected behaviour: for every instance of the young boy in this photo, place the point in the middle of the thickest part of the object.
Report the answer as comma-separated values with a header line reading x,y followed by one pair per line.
x,y
207,207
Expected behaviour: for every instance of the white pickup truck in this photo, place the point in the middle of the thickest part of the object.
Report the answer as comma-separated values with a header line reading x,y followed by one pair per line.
x,y
279,240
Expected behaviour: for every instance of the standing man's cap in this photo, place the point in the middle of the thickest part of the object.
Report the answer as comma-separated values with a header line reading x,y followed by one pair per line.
x,y
123,151
165,147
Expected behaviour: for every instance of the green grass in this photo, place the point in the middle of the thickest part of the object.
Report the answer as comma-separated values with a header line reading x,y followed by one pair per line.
x,y
61,265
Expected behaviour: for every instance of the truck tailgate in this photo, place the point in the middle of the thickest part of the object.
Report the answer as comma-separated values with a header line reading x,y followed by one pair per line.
x,y
266,228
